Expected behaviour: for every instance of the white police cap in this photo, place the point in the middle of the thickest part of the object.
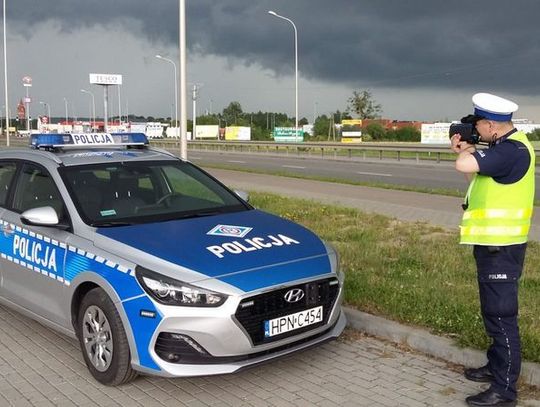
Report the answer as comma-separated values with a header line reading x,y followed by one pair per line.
x,y
493,107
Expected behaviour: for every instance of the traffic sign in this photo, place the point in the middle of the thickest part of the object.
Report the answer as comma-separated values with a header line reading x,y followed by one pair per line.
x,y
27,81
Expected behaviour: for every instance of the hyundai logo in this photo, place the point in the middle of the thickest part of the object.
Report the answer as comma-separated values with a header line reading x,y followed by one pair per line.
x,y
294,295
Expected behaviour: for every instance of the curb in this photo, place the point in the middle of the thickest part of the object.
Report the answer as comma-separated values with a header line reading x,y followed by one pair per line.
x,y
425,342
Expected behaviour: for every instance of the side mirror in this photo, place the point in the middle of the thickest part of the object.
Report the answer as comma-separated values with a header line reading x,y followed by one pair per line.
x,y
42,216
242,194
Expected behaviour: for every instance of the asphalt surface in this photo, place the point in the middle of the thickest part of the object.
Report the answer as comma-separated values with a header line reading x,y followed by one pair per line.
x,y
39,367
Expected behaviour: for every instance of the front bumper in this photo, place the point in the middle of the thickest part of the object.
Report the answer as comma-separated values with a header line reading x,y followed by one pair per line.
x,y
210,341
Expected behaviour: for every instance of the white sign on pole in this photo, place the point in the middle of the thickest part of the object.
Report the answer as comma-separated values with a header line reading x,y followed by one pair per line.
x,y
105,79
27,81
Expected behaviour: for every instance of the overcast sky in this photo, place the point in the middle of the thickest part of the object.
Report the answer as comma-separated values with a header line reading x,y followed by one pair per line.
x,y
421,59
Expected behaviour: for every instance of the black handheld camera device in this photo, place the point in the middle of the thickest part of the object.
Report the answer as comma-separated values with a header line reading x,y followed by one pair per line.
x,y
467,131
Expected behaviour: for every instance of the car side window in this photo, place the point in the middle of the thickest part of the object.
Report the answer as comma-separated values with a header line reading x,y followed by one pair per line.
x,y
36,188
7,171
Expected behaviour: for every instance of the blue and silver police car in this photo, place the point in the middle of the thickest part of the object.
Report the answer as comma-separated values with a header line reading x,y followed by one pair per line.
x,y
155,266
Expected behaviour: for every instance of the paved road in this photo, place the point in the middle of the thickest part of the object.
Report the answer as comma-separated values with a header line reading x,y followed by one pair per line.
x,y
39,367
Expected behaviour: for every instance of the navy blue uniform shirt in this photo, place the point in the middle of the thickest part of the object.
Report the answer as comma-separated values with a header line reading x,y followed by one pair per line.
x,y
506,161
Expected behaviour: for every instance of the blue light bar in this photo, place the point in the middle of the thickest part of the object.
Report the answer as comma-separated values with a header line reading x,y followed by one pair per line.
x,y
78,140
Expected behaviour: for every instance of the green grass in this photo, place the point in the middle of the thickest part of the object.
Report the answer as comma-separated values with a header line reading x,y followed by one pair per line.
x,y
413,273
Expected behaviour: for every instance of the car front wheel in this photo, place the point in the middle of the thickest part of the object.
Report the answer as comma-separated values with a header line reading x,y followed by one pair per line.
x,y
103,340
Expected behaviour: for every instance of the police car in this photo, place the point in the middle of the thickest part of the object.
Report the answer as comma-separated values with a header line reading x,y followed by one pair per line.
x,y
154,265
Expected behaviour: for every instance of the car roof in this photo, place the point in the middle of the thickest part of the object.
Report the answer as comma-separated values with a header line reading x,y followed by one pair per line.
x,y
72,155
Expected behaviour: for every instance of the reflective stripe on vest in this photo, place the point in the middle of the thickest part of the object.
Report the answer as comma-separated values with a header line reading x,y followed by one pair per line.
x,y
500,214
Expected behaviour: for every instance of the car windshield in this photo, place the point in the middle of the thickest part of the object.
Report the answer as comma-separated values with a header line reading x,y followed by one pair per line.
x,y
117,194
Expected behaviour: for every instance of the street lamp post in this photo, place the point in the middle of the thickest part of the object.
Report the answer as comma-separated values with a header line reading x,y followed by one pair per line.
x,y
295,67
175,87
182,57
5,73
93,107
66,107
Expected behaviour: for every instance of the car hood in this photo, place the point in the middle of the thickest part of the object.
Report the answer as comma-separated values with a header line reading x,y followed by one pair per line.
x,y
249,249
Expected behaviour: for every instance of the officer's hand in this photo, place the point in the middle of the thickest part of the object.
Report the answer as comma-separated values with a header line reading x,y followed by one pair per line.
x,y
459,146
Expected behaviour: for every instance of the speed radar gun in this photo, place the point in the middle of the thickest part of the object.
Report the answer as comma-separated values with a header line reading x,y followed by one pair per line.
x,y
466,129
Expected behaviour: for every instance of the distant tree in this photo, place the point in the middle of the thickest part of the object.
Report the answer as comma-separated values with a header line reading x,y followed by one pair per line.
x,y
364,106
303,121
208,119
233,112
320,128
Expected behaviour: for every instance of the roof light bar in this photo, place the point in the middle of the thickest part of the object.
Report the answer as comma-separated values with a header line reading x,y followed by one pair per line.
x,y
78,140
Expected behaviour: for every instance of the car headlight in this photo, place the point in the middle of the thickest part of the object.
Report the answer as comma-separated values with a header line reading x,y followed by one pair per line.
x,y
169,291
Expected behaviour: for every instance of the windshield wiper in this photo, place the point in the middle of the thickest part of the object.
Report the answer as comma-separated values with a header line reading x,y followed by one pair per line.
x,y
198,214
112,223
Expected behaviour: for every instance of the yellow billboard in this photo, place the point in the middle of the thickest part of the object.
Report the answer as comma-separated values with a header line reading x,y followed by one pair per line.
x,y
237,133
352,122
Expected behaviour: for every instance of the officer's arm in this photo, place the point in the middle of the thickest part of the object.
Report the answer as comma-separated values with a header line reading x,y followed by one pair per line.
x,y
466,162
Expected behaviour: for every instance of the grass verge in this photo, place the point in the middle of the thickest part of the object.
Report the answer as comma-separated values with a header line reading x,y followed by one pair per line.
x,y
413,273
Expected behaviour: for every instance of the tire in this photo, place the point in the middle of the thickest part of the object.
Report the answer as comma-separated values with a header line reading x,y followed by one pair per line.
x,y
103,341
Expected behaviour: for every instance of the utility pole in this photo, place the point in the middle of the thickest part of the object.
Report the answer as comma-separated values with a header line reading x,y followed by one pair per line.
x,y
194,96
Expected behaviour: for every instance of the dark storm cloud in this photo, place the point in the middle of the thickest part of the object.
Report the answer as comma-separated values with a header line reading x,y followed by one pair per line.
x,y
392,43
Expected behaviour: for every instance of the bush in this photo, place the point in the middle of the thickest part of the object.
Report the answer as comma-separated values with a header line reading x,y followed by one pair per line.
x,y
534,135
375,130
404,134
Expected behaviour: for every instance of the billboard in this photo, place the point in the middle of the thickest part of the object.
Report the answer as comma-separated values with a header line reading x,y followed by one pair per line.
x,y
237,133
351,131
352,122
288,135
435,133
105,79
207,132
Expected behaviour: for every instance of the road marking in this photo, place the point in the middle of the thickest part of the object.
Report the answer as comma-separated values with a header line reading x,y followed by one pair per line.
x,y
294,166
374,173
237,162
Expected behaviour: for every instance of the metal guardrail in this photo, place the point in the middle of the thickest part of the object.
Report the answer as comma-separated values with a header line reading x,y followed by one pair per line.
x,y
363,151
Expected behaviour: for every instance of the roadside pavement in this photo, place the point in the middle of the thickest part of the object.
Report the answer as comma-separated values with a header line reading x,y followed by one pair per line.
x,y
41,368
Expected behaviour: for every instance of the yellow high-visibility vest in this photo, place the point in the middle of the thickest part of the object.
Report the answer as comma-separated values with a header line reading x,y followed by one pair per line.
x,y
499,214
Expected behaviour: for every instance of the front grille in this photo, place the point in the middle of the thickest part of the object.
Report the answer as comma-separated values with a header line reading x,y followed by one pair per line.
x,y
273,305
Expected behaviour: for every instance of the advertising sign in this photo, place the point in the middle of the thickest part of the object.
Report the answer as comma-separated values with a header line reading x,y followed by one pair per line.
x,y
435,133
206,132
21,111
288,135
105,79
237,133
352,122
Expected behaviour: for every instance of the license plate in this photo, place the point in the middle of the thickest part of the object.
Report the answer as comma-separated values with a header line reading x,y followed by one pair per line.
x,y
278,326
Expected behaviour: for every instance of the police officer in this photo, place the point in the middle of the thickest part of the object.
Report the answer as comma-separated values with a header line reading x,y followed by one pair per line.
x,y
498,208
